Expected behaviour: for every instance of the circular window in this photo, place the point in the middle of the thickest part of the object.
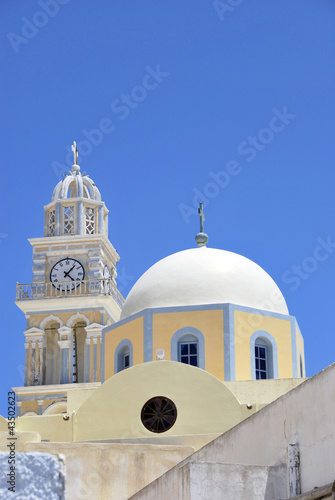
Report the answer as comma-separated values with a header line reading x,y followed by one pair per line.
x,y
159,414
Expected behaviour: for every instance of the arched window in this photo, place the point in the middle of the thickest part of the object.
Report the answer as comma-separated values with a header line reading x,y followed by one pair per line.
x,y
123,358
188,346
188,350
78,352
52,361
263,352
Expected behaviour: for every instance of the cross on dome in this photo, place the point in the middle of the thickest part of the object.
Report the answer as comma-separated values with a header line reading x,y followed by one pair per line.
x,y
201,238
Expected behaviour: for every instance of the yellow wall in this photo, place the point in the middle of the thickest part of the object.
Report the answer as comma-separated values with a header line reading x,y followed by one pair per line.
x,y
245,325
50,427
204,404
132,331
210,323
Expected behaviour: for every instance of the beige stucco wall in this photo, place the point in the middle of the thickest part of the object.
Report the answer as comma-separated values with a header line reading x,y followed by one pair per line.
x,y
112,471
304,416
262,392
204,404
50,427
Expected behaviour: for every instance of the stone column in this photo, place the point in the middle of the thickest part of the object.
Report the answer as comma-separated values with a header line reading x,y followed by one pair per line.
x,y
33,362
58,219
87,359
26,360
80,218
101,219
41,362
33,336
93,331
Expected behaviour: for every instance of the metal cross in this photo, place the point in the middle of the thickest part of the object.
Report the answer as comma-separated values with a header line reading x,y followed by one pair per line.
x,y
202,217
75,152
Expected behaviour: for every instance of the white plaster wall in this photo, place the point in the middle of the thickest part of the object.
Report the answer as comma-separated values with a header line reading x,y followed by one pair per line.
x,y
37,476
209,481
214,481
305,415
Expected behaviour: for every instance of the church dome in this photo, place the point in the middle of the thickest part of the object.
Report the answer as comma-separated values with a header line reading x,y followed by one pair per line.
x,y
202,276
76,185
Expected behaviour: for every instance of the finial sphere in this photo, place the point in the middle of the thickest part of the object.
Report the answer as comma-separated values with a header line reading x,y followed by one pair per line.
x,y
201,239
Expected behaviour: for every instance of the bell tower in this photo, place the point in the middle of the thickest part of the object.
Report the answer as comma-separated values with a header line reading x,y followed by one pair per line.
x,y
72,296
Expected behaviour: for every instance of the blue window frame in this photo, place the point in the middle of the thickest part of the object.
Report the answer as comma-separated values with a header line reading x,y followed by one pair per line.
x,y
261,362
188,353
126,359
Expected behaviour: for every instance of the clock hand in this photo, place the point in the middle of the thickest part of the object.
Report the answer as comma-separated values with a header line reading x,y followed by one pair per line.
x,y
68,272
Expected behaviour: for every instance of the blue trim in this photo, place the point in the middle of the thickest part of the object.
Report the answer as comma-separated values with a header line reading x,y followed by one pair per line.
x,y
127,320
203,307
77,309
229,342
147,336
117,355
175,339
273,361
26,359
294,348
44,397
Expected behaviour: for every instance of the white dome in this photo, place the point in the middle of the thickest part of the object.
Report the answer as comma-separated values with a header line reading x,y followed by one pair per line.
x,y
205,276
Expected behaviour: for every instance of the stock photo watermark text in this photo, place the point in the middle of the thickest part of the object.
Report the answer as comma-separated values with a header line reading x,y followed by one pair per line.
x,y
31,27
251,147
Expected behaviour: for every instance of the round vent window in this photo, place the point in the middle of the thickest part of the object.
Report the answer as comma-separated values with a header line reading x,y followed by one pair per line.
x,y
159,414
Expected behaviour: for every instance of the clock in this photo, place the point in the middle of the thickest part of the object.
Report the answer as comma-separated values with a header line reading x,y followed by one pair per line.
x,y
66,274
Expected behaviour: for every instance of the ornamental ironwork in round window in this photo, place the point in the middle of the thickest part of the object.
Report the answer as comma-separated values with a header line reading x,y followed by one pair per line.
x,y
159,414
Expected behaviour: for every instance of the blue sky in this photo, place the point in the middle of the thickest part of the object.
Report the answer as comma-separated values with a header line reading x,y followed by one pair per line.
x,y
169,102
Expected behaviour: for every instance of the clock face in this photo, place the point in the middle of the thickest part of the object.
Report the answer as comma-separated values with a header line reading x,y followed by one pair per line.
x,y
66,274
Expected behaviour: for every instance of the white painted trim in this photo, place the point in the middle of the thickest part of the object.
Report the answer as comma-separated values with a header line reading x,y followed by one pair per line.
x,y
50,318
70,322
